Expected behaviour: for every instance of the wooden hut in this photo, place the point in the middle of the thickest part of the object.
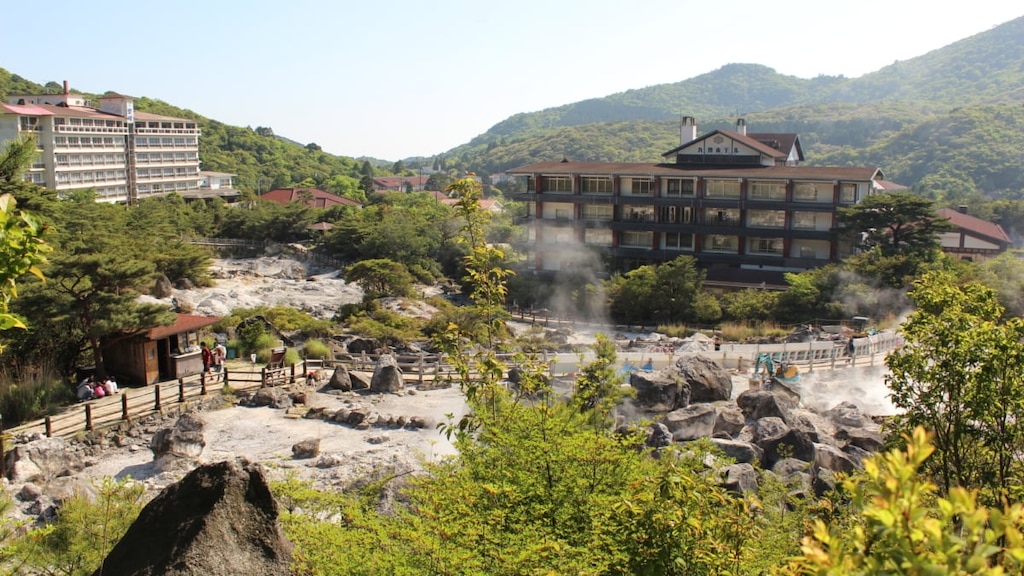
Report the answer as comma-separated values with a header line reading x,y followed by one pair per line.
x,y
161,353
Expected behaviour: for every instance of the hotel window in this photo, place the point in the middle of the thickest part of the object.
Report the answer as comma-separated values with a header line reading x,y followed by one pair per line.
x,y
597,236
637,239
638,213
678,241
804,221
597,212
767,190
678,187
805,192
676,214
721,189
641,186
721,243
596,185
766,218
848,193
721,216
772,246
556,183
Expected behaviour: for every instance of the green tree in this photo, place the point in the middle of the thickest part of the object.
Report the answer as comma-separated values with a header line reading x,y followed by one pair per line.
x,y
380,277
959,376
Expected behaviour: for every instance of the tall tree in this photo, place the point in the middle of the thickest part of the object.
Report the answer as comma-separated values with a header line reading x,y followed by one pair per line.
x,y
895,223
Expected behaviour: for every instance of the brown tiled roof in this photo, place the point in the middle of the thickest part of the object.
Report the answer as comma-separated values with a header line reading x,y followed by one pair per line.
x,y
782,141
320,198
149,116
746,140
184,323
675,170
975,224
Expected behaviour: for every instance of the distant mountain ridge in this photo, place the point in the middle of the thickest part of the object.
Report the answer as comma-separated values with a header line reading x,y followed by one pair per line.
x,y
868,119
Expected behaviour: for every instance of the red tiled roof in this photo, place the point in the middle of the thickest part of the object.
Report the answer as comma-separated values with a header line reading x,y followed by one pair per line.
x,y
184,323
319,198
26,109
975,224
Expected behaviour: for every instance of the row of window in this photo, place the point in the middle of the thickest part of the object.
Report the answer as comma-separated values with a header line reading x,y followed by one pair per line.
x,y
713,216
711,243
730,188
97,122
89,141
178,172
164,142
89,177
166,187
160,157
89,159
166,125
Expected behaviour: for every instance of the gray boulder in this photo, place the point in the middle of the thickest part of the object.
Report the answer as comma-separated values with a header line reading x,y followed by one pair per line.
x,y
41,460
659,391
387,376
740,478
179,446
690,423
272,396
708,381
219,519
738,450
308,448
847,414
340,379
864,439
828,456
729,421
660,436
778,441
757,404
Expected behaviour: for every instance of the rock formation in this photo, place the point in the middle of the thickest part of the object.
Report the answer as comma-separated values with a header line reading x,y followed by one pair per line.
x,y
178,447
219,519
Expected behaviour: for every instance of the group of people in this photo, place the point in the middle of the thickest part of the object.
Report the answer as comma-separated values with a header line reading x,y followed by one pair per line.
x,y
213,358
91,388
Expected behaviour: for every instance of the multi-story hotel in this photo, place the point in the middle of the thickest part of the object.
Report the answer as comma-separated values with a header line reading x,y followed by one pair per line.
x,y
123,154
740,203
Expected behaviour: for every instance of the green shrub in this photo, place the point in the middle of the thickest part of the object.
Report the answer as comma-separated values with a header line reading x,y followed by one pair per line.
x,y
32,394
316,349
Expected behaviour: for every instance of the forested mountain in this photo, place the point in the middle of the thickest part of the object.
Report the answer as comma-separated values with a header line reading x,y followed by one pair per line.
x,y
937,113
948,121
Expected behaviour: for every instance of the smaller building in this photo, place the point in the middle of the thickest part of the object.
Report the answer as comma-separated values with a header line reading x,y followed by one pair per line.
x,y
312,197
400,183
973,239
214,185
160,354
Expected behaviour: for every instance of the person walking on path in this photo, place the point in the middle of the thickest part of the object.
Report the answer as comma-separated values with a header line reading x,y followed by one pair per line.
x,y
207,357
220,353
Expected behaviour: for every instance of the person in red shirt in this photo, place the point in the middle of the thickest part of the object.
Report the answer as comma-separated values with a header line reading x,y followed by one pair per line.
x,y
207,357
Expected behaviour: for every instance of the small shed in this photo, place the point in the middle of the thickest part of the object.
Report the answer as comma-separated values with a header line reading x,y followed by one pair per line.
x,y
161,353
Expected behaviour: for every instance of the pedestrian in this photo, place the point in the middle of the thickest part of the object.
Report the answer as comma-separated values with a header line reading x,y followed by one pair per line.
x,y
718,343
207,357
220,353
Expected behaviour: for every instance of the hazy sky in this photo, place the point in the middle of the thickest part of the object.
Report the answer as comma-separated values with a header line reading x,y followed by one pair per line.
x,y
400,78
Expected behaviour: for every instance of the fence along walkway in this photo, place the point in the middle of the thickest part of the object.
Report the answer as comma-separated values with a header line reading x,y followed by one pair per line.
x,y
136,403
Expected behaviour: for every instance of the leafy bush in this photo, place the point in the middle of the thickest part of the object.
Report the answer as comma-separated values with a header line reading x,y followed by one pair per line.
x,y
316,349
25,396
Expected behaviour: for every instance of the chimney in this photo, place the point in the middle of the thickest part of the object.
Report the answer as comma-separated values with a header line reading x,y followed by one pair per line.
x,y
66,89
741,126
687,129
962,208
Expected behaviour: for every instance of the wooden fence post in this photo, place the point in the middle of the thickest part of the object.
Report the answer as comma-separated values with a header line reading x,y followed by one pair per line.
x,y
419,368
293,375
181,390
156,396
263,377
124,405
88,417
202,384
225,383
49,427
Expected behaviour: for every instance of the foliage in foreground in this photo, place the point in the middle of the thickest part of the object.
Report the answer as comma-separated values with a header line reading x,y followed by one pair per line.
x,y
85,531
901,527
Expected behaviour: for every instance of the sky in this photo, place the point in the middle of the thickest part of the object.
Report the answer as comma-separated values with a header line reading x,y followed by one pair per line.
x,y
399,79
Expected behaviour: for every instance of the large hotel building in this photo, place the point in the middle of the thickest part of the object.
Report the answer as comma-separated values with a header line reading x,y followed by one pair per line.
x,y
123,154
739,202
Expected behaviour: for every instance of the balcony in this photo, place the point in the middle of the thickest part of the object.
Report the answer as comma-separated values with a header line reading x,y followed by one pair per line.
x,y
167,131
69,129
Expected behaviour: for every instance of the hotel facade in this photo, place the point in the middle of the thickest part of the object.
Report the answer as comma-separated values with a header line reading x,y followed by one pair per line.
x,y
123,154
740,203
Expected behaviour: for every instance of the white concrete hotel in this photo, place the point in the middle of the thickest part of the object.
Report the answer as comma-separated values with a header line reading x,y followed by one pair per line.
x,y
123,154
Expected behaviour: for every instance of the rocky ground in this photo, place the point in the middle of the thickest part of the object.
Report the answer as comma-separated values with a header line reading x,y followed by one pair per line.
x,y
346,452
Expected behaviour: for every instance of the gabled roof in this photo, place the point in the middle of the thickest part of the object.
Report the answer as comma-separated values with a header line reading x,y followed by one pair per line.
x,y
25,110
976,225
781,141
399,181
746,140
317,198
184,323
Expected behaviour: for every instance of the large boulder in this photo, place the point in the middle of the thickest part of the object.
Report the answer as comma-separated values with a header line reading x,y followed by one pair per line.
x,y
690,423
828,456
729,421
387,376
272,396
219,519
340,379
847,414
41,460
659,391
739,450
779,441
178,447
708,381
757,404
740,478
